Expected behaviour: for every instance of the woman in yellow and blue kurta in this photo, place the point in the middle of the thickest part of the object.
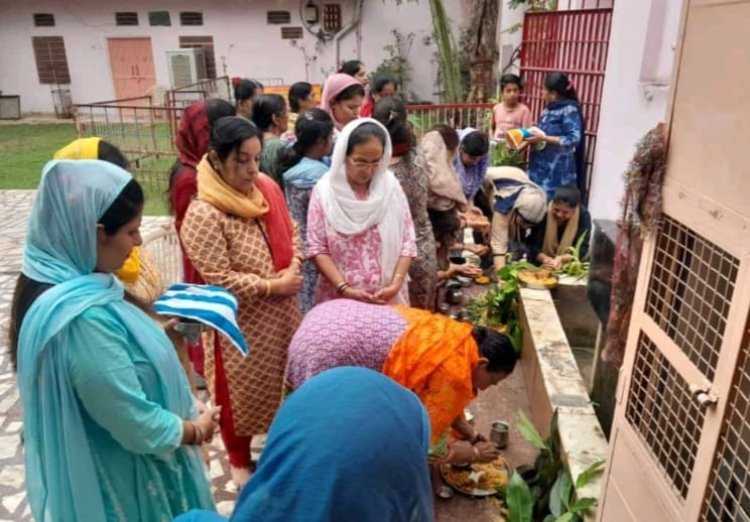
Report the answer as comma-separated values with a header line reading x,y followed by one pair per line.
x,y
107,408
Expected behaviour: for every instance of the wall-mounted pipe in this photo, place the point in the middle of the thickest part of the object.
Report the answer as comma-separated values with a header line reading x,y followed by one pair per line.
x,y
357,6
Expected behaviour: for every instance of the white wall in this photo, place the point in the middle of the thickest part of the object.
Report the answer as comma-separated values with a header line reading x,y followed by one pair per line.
x,y
242,40
636,90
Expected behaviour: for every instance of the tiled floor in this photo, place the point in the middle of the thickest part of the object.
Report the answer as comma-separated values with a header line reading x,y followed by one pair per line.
x,y
501,402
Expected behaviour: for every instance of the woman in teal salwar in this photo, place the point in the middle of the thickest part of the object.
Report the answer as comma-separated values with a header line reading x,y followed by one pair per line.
x,y
111,431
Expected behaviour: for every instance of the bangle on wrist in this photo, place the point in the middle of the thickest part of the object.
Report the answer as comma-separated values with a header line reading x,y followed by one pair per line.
x,y
342,288
268,288
476,452
197,433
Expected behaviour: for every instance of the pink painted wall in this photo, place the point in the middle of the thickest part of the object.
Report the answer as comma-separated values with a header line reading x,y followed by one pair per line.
x,y
636,91
242,40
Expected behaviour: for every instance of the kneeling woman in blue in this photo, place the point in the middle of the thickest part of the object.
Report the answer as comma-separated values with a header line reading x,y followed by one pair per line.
x,y
110,428
558,157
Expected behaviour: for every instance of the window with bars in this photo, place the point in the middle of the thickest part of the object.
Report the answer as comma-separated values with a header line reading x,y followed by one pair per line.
x,y
278,17
44,20
291,33
191,18
691,286
332,18
662,410
159,18
728,494
126,18
51,61
207,44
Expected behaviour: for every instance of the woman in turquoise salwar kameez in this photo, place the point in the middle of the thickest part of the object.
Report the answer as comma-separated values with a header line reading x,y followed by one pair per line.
x,y
111,431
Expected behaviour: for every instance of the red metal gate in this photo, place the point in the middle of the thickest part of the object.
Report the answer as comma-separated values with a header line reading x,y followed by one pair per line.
x,y
576,43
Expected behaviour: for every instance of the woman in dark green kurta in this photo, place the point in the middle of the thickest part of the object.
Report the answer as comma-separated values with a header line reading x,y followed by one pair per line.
x,y
271,117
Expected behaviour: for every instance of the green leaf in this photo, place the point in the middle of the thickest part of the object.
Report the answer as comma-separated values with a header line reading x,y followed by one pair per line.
x,y
583,504
528,431
549,518
561,492
567,517
589,474
555,500
519,500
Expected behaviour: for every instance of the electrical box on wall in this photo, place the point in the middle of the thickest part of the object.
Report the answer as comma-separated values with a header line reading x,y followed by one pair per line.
x,y
10,107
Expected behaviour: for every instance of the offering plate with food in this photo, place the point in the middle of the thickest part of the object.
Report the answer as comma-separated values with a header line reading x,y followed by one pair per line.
x,y
539,279
477,480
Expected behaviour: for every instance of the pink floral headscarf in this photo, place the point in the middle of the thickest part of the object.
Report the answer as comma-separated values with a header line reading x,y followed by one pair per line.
x,y
335,85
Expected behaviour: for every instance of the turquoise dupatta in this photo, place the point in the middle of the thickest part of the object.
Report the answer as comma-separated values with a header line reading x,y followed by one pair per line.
x,y
61,477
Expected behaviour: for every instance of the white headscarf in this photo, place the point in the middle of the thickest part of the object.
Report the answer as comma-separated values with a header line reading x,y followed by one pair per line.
x,y
384,206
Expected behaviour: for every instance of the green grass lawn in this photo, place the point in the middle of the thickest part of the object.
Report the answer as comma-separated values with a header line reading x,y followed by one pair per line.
x,y
26,148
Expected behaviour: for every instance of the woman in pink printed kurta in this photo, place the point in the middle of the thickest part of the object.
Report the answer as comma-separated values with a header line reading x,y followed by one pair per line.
x,y
359,228
358,257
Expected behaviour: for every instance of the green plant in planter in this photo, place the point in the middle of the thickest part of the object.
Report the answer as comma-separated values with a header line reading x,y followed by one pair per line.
x,y
545,492
499,306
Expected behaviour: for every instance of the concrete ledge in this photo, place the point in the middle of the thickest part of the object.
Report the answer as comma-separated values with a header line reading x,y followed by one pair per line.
x,y
553,381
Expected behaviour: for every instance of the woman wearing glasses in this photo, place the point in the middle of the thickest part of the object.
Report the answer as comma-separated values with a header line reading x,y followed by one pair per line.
x,y
360,232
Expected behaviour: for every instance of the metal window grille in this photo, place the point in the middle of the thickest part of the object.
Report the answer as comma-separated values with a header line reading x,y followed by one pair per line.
x,y
126,18
159,18
728,494
191,18
207,44
662,410
690,290
51,60
332,18
44,20
291,33
278,17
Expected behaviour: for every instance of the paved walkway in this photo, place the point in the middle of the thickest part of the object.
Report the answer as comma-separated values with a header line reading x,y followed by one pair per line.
x,y
15,206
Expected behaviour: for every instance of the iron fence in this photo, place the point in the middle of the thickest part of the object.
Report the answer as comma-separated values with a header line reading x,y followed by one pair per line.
x,y
457,115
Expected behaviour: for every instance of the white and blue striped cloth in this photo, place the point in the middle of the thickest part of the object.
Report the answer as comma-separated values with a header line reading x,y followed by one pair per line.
x,y
212,306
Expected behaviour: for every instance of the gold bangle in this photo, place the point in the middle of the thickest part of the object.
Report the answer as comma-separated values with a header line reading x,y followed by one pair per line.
x,y
268,288
342,288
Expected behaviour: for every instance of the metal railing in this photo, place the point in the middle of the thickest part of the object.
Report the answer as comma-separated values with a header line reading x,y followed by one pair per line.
x,y
140,129
145,129
458,115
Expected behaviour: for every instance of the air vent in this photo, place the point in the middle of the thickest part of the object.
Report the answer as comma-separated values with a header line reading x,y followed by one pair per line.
x,y
159,18
278,17
126,18
191,18
291,33
44,20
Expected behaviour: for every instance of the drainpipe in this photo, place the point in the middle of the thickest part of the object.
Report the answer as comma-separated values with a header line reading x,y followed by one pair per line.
x,y
357,5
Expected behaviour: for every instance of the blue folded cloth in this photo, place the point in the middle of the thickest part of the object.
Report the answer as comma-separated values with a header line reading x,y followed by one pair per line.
x,y
210,305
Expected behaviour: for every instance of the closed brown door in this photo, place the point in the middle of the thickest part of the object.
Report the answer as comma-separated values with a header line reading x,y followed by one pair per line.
x,y
132,66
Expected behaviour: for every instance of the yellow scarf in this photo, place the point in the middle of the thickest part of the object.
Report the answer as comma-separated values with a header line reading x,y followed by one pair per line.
x,y
83,148
214,190
551,245
131,270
